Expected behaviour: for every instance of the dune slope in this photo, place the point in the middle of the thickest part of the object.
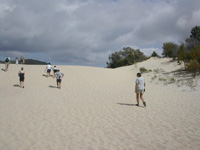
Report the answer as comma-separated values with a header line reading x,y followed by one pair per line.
x,y
95,110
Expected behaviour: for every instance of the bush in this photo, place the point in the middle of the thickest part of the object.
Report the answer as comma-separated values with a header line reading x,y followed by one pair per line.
x,y
127,56
193,67
144,70
154,54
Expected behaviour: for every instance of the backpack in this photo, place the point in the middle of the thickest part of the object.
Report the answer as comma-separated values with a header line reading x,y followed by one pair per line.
x,y
7,59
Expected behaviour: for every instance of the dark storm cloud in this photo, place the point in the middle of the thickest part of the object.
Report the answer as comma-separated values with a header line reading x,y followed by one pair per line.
x,y
85,32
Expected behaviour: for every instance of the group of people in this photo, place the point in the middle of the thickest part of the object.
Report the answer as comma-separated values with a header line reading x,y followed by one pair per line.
x,y
21,73
56,73
139,84
59,75
7,62
22,60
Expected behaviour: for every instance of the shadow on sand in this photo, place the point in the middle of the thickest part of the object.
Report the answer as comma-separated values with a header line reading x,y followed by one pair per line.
x,y
44,75
16,85
129,104
51,86
3,70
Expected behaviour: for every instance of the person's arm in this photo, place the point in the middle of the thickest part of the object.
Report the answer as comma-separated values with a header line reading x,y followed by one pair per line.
x,y
136,87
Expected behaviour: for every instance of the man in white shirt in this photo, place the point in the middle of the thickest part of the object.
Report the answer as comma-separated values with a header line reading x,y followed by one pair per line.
x,y
140,88
48,69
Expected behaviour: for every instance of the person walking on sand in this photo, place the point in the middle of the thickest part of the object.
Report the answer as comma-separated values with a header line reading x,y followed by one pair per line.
x,y
54,71
21,77
48,68
22,60
16,61
7,62
140,88
59,76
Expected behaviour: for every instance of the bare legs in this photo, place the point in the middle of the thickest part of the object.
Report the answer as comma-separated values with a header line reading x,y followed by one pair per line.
x,y
6,66
59,85
140,95
21,84
48,74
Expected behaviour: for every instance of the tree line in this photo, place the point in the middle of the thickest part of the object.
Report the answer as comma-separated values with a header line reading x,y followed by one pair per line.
x,y
188,52
127,56
28,62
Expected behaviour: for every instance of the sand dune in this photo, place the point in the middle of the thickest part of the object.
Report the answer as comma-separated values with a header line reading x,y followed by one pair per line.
x,y
94,109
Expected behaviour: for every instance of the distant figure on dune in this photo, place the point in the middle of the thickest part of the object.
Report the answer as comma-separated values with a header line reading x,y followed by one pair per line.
x,y
48,69
7,62
54,71
140,88
59,76
22,60
21,77
16,61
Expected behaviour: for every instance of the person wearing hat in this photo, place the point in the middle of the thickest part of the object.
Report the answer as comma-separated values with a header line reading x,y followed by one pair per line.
x,y
140,89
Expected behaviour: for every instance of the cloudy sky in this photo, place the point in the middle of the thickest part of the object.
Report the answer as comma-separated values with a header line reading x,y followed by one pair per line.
x,y
86,32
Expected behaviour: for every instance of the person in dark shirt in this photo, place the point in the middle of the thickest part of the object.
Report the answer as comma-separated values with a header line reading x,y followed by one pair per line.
x,y
21,77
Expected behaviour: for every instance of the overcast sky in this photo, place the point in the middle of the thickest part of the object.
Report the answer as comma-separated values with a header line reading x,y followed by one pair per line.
x,y
86,32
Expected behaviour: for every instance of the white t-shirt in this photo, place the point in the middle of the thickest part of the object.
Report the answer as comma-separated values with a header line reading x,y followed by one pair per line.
x,y
140,83
54,68
48,66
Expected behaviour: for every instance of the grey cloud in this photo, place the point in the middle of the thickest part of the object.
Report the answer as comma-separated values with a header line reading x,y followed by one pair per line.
x,y
85,32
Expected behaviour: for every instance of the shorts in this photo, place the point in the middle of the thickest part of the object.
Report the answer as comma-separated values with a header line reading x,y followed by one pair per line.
x,y
59,80
21,79
48,70
140,91
55,71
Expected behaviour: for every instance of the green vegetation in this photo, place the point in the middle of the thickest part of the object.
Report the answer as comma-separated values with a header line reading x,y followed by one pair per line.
x,y
180,78
154,77
125,57
144,70
29,62
158,70
34,62
154,54
188,52
170,49
171,80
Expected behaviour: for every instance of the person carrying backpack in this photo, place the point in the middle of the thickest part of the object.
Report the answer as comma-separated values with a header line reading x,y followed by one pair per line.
x,y
7,62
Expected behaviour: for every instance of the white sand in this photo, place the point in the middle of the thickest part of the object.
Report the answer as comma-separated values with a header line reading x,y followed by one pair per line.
x,y
94,110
